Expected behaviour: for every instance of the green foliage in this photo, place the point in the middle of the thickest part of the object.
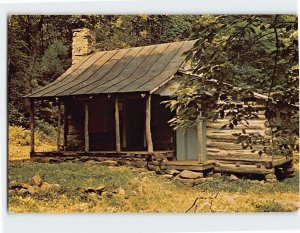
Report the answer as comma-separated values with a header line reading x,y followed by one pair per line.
x,y
234,57
54,61
20,136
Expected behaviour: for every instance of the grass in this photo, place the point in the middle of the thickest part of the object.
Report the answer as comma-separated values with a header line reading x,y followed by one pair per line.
x,y
145,191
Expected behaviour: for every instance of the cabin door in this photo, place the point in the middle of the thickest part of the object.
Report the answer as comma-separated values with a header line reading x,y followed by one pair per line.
x,y
187,144
133,124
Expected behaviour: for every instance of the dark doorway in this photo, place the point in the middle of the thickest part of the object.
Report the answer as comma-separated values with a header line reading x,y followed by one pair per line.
x,y
133,124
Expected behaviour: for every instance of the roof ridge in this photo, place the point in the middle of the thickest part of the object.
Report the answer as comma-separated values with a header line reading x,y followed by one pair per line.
x,y
181,41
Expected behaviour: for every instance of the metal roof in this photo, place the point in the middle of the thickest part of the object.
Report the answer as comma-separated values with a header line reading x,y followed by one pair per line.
x,y
138,69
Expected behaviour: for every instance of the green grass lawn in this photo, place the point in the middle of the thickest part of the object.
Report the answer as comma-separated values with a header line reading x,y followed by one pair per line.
x,y
144,191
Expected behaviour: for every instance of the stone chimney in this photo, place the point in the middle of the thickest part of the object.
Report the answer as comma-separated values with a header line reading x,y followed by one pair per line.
x,y
83,44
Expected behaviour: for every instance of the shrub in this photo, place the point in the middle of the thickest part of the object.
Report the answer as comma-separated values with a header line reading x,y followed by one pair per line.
x,y
19,141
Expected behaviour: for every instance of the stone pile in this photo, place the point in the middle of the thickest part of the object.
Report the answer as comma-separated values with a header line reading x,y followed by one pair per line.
x,y
37,185
102,190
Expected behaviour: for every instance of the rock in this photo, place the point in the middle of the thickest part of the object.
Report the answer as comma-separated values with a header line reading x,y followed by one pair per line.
x,y
36,180
25,185
121,192
216,175
93,195
89,190
55,186
152,167
108,194
139,164
23,191
155,163
54,160
167,176
92,162
190,175
210,173
109,163
15,184
233,177
100,189
190,182
84,159
290,170
199,180
65,159
271,178
163,167
173,172
11,192
46,187
32,189
159,171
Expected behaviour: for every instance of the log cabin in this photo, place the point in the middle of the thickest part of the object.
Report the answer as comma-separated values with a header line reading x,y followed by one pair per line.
x,y
111,103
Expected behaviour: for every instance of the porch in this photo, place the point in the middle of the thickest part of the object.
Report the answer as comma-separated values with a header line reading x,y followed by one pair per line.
x,y
167,160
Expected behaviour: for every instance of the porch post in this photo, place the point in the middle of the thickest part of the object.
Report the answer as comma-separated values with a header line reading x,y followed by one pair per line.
x,y
148,124
65,125
32,125
86,127
201,135
58,126
117,124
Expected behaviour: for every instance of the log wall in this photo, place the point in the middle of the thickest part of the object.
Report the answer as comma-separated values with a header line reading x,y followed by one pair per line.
x,y
222,143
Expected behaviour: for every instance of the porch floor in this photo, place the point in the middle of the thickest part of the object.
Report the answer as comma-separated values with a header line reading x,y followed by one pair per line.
x,y
137,154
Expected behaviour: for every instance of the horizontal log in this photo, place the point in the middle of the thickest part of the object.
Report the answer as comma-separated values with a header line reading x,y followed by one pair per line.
x,y
199,167
244,169
281,161
219,126
231,153
226,120
235,131
229,146
238,162
221,138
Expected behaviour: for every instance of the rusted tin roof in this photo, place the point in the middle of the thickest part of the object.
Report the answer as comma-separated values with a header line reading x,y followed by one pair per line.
x,y
138,69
